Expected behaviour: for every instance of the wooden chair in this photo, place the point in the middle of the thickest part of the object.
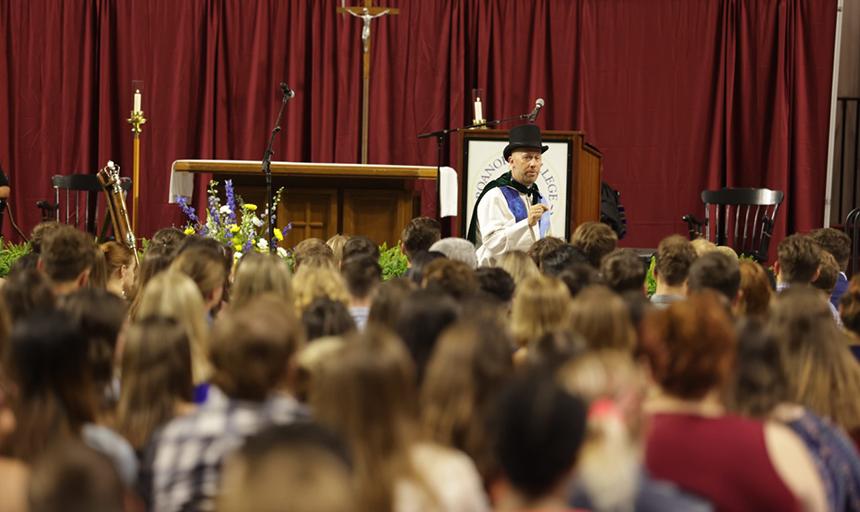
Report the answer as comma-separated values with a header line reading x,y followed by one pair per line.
x,y
78,196
852,229
752,212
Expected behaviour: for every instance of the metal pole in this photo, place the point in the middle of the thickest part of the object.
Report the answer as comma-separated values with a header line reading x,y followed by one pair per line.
x,y
837,45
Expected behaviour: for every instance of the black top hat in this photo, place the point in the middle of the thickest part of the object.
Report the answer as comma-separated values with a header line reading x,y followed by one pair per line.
x,y
524,136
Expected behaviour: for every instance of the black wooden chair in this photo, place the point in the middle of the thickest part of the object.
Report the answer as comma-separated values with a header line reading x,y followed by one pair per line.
x,y
852,229
743,219
79,199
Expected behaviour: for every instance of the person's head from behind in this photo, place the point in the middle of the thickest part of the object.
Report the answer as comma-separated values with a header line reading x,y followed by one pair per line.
x,y
760,382
718,272
828,274
363,275
326,317
554,348
28,261
849,312
519,265
206,268
542,247
388,300
458,249
313,283
99,273
423,316
755,290
156,259
312,247
419,235
797,262
690,346
336,244
72,477
301,467
167,238
623,270
703,246
41,232
496,282
27,292
453,277
540,430
120,267
674,257
252,347
595,239
540,304
47,359
67,258
257,274
360,245
601,317
835,242
420,260
156,377
562,258
578,277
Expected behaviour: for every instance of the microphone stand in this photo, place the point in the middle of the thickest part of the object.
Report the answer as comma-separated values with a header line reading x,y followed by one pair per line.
x,y
267,170
440,140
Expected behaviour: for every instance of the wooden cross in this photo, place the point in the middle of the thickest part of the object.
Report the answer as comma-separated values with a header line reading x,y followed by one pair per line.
x,y
367,13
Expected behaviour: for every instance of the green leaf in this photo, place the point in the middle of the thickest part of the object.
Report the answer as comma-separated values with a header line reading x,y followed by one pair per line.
x,y
9,253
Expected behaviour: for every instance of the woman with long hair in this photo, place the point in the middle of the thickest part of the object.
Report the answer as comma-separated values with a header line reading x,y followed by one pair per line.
x,y
540,305
366,392
602,318
157,259
755,291
120,266
256,274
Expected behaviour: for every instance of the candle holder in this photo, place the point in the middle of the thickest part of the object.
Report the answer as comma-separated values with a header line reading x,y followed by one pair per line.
x,y
136,121
477,94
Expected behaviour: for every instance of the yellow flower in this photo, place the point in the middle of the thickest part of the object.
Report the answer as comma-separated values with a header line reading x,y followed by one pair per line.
x,y
189,231
249,206
279,235
236,240
233,228
237,247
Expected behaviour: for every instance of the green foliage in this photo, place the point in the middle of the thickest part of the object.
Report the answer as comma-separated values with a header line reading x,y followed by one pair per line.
x,y
9,253
392,261
650,282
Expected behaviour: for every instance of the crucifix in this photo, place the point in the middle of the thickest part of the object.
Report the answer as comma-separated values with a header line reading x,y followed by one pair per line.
x,y
366,13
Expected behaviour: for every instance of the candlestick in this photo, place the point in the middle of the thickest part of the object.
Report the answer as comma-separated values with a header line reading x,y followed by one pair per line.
x,y
479,113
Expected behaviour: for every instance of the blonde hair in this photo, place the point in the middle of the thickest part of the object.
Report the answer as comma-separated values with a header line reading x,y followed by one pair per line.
x,y
312,283
336,243
602,318
540,304
519,265
702,246
728,251
174,295
258,273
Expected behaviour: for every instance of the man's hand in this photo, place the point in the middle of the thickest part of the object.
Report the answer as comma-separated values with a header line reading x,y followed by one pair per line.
x,y
536,212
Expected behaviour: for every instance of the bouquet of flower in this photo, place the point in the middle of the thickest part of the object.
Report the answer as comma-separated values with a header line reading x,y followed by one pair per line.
x,y
245,232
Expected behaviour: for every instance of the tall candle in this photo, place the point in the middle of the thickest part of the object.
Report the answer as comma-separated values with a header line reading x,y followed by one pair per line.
x,y
137,101
479,114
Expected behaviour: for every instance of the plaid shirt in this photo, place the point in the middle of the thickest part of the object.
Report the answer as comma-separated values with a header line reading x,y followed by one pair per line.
x,y
181,468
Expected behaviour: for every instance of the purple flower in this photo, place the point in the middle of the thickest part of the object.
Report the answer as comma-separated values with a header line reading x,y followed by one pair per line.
x,y
248,246
231,199
188,210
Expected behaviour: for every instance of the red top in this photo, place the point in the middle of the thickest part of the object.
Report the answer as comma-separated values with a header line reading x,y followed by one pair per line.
x,y
723,460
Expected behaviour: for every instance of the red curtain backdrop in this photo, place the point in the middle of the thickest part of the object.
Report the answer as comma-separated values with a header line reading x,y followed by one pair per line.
x,y
680,95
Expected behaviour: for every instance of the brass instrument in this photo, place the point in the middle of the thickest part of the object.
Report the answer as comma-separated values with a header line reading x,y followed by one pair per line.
x,y
109,179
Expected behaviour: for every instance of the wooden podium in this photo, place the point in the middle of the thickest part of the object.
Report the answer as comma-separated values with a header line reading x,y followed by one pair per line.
x,y
322,200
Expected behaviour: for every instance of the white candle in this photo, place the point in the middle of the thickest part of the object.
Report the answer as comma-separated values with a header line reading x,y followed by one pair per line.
x,y
137,101
479,114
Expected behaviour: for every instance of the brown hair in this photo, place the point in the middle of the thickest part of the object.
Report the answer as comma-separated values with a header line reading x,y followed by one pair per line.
x,y
388,299
849,311
166,238
595,239
156,377
251,346
116,256
312,247
204,267
540,304
673,259
98,277
336,244
41,232
469,367
798,258
72,477
258,273
419,235
66,253
362,275
823,375
156,259
755,286
542,247
760,382
452,277
835,242
601,317
623,270
26,292
828,274
690,346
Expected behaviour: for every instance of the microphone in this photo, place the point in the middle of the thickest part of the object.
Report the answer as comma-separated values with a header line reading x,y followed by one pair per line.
x,y
288,93
538,105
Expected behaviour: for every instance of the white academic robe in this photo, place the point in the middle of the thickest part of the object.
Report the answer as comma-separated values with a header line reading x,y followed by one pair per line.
x,y
498,230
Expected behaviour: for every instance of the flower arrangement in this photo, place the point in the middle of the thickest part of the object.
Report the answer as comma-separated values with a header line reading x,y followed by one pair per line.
x,y
244,233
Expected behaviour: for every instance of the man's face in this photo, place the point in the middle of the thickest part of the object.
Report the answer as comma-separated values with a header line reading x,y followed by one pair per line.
x,y
525,165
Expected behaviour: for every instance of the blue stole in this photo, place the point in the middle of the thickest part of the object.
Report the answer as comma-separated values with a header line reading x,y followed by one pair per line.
x,y
518,208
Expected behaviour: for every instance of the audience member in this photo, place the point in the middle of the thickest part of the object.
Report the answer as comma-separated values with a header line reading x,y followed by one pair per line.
x,y
289,468
468,368
67,257
336,244
690,347
367,394
363,276
728,251
433,311
419,235
718,272
420,260
388,300
41,232
674,257
120,266
755,291
312,247
14,474
838,244
542,247
156,259
28,261
623,270
849,311
638,307
453,277
257,273
251,351
326,317
828,274
313,283
600,316
360,245
167,239
457,249
98,278
156,378
497,282
797,264
595,240
703,246
578,277
540,305
562,258
206,268
27,292
553,349
519,265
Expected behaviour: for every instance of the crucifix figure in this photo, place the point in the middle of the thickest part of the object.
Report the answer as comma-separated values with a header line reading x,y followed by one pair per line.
x,y
366,13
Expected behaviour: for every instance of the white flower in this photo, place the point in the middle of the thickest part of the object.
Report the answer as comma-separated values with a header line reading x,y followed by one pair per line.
x,y
256,220
282,252
263,245
225,210
237,255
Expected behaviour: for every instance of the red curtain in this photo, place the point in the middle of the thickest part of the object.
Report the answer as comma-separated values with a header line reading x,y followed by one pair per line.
x,y
680,95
